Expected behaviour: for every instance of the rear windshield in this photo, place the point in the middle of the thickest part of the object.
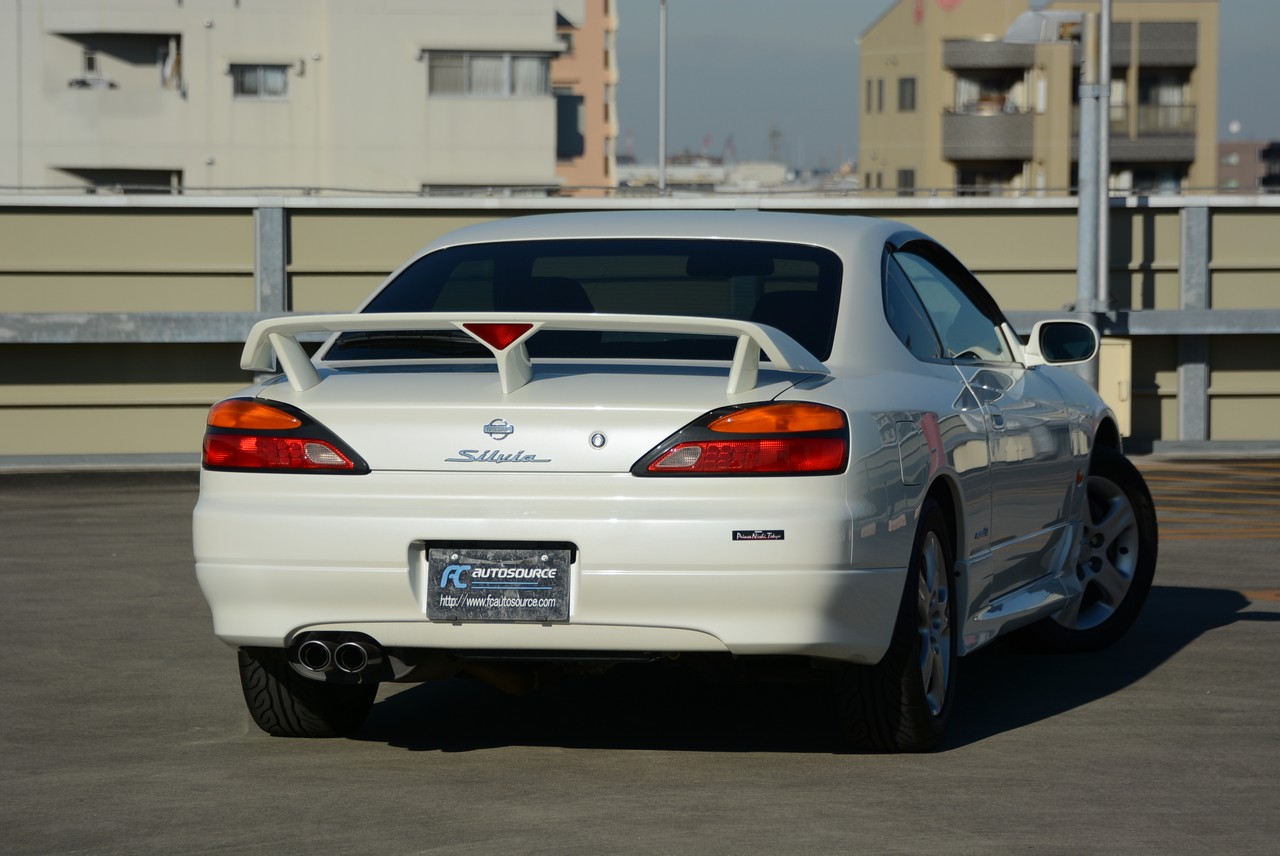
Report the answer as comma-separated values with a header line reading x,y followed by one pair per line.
x,y
792,287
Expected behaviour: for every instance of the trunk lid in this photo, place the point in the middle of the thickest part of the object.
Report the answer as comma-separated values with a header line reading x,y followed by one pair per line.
x,y
457,418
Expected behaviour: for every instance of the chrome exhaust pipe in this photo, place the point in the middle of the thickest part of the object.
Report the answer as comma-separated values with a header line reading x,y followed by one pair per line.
x,y
315,656
355,657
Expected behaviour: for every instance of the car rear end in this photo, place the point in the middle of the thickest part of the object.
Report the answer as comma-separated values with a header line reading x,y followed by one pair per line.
x,y
637,484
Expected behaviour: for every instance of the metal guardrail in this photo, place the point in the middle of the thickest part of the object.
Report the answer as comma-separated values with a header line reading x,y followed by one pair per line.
x,y
273,267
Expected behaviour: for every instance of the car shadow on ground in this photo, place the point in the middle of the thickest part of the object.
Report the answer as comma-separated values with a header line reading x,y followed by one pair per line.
x,y
664,707
1010,685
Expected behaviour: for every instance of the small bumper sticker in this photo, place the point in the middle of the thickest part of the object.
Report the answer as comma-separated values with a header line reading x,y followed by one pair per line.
x,y
759,535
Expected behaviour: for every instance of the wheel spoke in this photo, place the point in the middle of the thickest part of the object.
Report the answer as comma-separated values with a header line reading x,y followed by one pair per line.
x,y
1118,520
1113,582
927,665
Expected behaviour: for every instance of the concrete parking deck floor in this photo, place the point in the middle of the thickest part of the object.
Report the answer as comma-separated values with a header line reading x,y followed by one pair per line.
x,y
122,728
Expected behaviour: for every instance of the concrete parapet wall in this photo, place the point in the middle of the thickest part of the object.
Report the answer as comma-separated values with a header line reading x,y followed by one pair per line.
x,y
121,317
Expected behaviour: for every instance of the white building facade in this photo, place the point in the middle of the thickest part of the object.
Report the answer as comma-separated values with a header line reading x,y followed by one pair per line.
x,y
447,96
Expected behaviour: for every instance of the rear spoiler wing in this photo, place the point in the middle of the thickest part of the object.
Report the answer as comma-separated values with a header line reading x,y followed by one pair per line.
x,y
279,336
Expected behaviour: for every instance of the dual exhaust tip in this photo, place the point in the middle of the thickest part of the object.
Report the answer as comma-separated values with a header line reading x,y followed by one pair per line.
x,y
351,657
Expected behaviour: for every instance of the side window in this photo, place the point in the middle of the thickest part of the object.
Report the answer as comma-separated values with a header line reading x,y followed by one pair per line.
x,y
967,332
907,317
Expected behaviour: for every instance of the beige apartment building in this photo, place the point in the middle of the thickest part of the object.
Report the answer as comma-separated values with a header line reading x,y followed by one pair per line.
x,y
584,79
441,97
981,97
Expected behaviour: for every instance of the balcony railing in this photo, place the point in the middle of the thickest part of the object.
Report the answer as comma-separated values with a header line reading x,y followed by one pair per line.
x,y
1119,120
1153,120
1179,120
968,136
973,54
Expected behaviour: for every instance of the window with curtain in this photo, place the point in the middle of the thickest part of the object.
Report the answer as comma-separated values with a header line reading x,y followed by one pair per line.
x,y
447,73
260,81
529,75
488,74
1164,106
967,93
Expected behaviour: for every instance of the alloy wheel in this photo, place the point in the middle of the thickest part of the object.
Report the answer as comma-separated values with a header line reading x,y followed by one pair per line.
x,y
933,611
1108,556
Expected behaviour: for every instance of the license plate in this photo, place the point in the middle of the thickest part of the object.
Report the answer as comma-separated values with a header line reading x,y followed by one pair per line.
x,y
497,584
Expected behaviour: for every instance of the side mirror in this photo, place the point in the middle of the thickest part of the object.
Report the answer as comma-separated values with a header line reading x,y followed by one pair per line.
x,y
1061,343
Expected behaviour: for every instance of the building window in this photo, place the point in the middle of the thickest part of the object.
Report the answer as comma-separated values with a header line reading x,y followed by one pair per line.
x,y
91,73
99,180
530,75
123,53
870,102
906,94
496,75
571,141
880,95
260,81
906,182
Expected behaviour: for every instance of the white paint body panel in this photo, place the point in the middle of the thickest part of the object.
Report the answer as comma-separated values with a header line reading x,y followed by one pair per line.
x,y
656,565
657,568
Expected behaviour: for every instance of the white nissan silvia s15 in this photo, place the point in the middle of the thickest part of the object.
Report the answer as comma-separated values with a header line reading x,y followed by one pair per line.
x,y
607,437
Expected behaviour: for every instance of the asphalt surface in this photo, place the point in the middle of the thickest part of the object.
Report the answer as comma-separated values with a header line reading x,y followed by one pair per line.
x,y
122,727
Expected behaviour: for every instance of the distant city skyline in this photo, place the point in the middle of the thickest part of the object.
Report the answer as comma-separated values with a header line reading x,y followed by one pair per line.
x,y
739,68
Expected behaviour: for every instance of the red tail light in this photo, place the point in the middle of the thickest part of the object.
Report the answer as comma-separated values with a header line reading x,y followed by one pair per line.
x,y
272,453
243,434
762,439
801,455
499,336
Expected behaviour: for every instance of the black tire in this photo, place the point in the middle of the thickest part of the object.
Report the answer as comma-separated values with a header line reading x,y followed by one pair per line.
x,y
285,704
903,703
1117,562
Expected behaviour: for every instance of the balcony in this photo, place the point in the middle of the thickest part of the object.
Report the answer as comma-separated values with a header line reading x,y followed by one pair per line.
x,y
978,135
1172,121
1164,134
973,54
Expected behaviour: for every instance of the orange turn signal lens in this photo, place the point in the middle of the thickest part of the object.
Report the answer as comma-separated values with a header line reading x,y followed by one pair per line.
x,y
781,418
245,413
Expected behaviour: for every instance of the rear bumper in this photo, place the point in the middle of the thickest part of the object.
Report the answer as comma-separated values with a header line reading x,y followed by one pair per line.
x,y
657,568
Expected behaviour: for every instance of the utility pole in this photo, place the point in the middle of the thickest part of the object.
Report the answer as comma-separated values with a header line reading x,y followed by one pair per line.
x,y
1104,160
1089,248
662,96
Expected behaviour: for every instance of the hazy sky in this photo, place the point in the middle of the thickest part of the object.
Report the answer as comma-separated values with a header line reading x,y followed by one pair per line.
x,y
737,67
